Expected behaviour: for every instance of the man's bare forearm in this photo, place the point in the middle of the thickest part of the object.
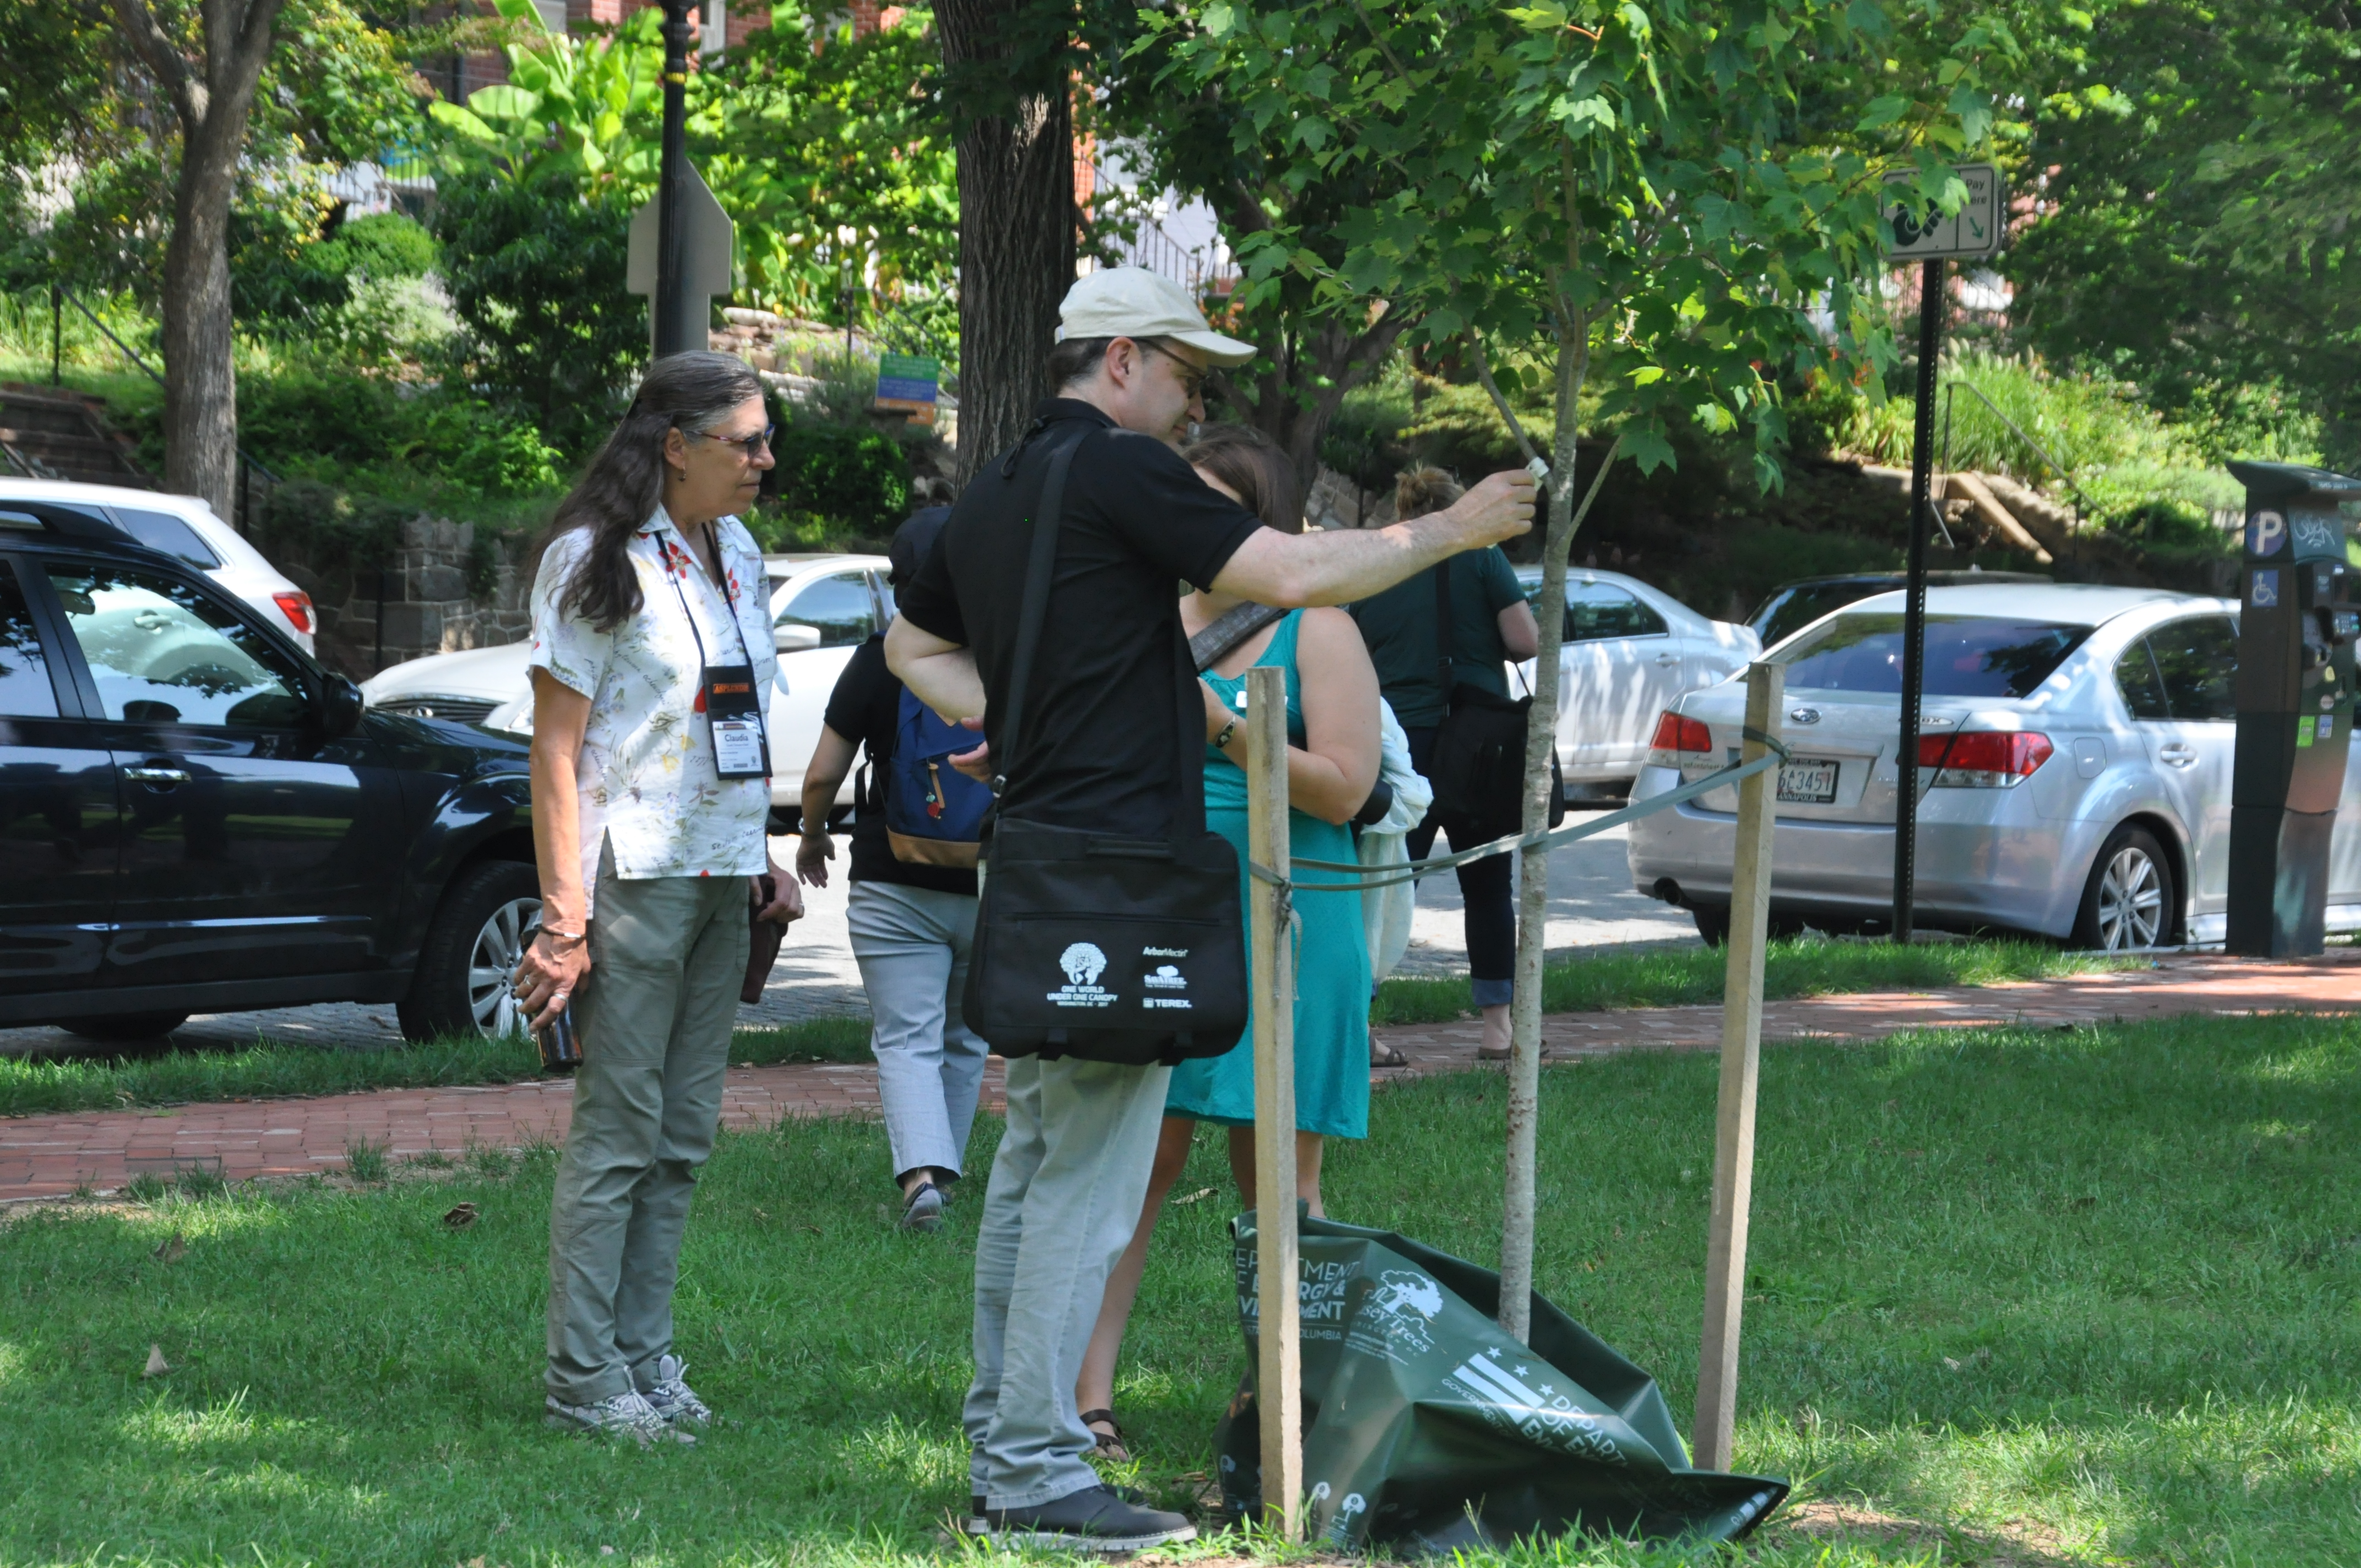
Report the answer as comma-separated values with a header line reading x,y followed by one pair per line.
x,y
943,674
1340,566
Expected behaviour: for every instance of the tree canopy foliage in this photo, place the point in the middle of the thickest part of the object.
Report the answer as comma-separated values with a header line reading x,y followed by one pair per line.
x,y
2198,188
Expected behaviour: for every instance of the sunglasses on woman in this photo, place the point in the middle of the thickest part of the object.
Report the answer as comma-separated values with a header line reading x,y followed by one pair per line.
x,y
749,444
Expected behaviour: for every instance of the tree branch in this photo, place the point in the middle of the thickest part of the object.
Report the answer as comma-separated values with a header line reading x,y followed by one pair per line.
x,y
1507,414
155,51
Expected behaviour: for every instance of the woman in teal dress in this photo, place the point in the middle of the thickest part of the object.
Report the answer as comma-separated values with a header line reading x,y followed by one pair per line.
x,y
1333,753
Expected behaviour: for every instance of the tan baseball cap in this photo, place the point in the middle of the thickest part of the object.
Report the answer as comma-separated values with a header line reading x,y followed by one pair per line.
x,y
1132,302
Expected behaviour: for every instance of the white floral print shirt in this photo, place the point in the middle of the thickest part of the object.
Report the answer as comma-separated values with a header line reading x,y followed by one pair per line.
x,y
647,780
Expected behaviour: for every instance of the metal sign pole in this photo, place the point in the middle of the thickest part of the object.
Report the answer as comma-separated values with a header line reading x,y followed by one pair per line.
x,y
1914,615
674,333
1741,1056
1278,1323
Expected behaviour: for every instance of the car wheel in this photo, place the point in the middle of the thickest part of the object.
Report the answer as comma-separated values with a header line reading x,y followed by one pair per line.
x,y
470,952
126,1026
2129,902
1712,923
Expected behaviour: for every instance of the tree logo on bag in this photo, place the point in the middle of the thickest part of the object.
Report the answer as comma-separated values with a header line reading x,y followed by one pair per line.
x,y
1084,963
1401,1306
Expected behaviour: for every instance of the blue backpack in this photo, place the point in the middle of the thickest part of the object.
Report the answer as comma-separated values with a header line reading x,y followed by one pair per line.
x,y
934,813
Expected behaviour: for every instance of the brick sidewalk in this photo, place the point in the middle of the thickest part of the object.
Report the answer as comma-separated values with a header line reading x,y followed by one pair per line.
x,y
49,1157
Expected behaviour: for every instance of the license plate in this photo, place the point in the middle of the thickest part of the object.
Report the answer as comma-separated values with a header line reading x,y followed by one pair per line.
x,y
1807,781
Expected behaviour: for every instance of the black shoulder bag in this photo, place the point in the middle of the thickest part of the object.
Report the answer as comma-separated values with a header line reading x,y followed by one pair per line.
x,y
1479,750
1087,944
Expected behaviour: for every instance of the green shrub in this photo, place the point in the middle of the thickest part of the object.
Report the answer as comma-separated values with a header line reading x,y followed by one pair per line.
x,y
304,416
535,273
384,245
854,479
486,451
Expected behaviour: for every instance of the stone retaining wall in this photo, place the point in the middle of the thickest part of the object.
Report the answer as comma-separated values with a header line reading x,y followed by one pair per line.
x,y
427,606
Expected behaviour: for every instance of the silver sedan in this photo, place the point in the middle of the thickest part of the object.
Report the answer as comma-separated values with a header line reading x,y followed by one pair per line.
x,y
2085,737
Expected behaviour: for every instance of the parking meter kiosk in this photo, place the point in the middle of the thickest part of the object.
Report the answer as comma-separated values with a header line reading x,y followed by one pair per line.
x,y
2296,641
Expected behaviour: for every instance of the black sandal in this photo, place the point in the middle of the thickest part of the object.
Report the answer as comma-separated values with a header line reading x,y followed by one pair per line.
x,y
1110,1447
1384,1054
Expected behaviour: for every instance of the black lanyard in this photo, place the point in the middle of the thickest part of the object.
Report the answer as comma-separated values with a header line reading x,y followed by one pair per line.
x,y
729,597
733,708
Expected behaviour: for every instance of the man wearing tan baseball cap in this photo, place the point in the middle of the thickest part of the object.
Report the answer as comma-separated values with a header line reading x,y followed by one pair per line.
x,y
1110,685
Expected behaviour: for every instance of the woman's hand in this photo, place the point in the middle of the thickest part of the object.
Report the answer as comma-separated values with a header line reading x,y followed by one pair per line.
x,y
549,974
813,852
788,907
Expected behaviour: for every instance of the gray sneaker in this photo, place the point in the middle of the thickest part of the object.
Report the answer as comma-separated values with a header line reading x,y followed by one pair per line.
x,y
672,1399
626,1415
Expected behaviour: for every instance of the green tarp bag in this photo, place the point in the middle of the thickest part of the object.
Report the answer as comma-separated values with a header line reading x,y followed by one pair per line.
x,y
1426,1427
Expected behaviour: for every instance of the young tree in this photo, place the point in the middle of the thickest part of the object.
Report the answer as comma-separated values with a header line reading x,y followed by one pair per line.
x,y
1663,196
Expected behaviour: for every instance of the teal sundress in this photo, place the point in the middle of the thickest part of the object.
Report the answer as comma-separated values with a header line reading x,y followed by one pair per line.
x,y
1332,963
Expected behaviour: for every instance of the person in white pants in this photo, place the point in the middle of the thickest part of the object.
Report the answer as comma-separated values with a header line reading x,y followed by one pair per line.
x,y
911,924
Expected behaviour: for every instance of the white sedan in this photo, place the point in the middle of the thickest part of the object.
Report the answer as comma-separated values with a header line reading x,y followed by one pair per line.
x,y
1629,650
822,608
2075,756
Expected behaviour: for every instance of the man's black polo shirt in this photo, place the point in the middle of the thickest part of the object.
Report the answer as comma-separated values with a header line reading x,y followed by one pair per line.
x,y
1102,717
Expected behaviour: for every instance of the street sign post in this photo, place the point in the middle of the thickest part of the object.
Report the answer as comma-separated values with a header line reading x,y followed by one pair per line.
x,y
909,383
1931,238
707,240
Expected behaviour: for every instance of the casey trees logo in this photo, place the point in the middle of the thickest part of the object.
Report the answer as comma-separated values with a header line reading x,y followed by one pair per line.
x,y
1084,963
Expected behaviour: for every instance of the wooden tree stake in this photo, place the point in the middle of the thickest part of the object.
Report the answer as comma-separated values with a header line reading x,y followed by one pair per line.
x,y
1742,1055
1279,1331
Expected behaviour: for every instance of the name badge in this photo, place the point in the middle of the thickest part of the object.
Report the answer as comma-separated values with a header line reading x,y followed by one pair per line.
x,y
735,714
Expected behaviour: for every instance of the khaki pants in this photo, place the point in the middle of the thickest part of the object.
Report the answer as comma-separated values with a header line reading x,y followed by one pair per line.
x,y
667,956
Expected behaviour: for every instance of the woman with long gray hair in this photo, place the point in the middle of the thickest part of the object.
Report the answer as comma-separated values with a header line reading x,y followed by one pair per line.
x,y
652,650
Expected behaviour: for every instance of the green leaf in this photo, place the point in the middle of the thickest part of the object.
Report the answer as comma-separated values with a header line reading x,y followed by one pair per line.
x,y
462,121
1546,16
1219,19
504,103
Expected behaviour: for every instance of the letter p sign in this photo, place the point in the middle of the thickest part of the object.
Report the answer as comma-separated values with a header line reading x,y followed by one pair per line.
x,y
2265,533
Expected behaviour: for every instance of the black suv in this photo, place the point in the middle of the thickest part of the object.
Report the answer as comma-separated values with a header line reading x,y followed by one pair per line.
x,y
195,816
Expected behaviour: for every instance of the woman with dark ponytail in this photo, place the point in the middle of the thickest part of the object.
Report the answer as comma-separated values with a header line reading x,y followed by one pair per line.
x,y
651,651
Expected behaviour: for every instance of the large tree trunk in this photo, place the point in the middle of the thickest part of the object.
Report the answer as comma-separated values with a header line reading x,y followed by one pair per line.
x,y
1016,217
200,367
212,96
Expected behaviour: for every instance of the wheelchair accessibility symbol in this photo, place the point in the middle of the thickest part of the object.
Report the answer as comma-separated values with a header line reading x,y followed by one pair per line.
x,y
2264,593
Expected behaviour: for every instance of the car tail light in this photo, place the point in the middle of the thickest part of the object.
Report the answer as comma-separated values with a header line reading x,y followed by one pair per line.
x,y
1679,742
298,608
1984,759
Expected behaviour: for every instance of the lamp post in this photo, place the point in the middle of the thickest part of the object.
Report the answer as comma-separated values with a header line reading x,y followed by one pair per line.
x,y
675,333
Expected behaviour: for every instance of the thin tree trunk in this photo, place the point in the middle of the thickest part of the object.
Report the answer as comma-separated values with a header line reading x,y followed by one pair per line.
x,y
1016,227
1532,890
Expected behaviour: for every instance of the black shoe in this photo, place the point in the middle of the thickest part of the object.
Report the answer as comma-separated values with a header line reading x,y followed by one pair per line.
x,y
1092,1519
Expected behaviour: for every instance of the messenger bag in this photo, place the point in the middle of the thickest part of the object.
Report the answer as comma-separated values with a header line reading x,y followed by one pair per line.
x,y
1095,945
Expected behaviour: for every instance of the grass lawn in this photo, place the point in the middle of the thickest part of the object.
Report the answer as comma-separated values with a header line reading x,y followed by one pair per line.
x,y
2078,1296
269,1068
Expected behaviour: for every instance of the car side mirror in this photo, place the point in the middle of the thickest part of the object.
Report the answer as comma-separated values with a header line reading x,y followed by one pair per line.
x,y
339,711
792,637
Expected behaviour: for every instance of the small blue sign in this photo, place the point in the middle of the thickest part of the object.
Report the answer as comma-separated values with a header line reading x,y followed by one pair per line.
x,y
2265,533
2264,591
